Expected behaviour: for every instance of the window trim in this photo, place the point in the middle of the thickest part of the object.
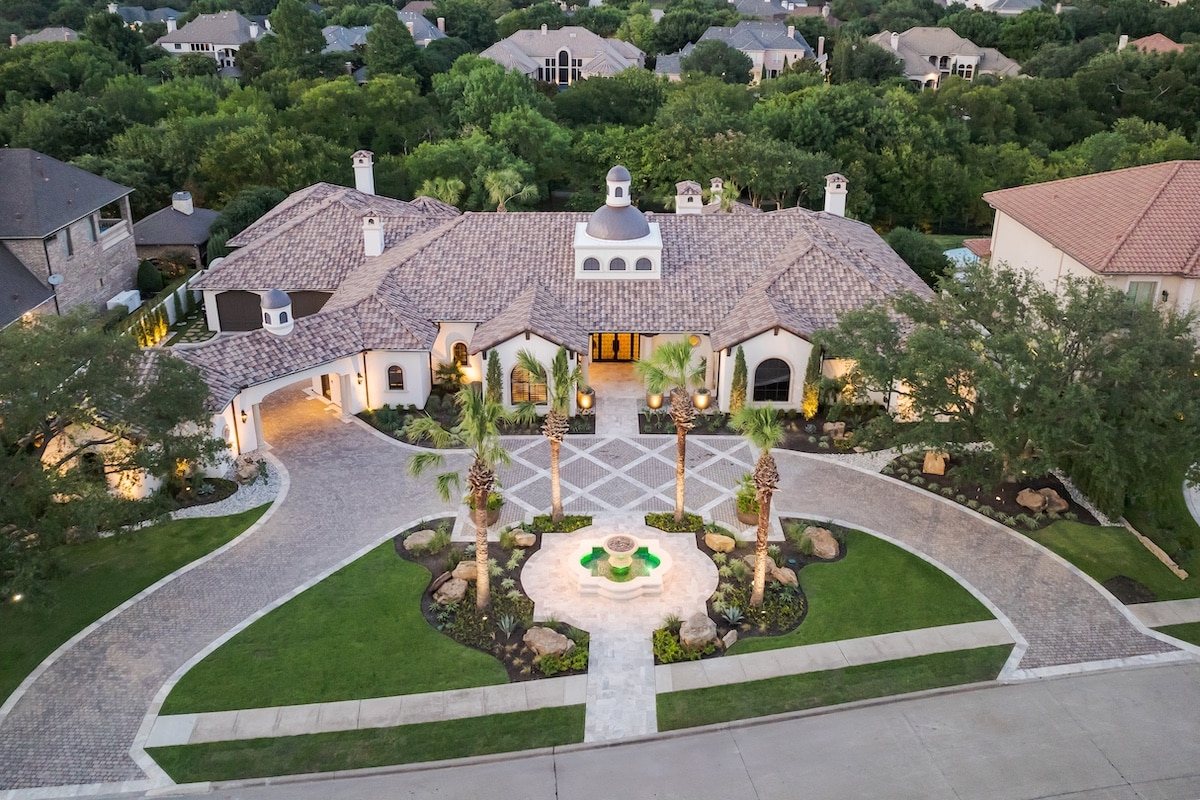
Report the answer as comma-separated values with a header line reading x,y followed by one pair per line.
x,y
391,378
463,360
529,388
754,386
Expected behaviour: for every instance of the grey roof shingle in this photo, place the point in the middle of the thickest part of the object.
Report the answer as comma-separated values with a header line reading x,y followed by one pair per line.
x,y
50,35
225,27
751,36
20,290
526,50
917,45
340,39
168,226
40,195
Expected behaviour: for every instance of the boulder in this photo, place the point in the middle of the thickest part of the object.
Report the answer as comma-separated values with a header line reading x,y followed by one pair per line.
x,y
246,472
698,631
466,570
438,582
523,539
729,639
836,430
543,641
719,542
935,463
452,591
419,539
1054,503
823,543
784,575
1032,499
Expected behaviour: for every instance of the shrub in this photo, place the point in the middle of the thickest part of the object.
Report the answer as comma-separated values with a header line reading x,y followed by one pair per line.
x,y
149,279
570,522
439,542
669,650
733,615
737,392
665,521
507,540
672,623
574,659
746,497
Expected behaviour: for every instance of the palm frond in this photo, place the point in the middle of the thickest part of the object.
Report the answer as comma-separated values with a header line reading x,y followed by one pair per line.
x,y
422,462
446,484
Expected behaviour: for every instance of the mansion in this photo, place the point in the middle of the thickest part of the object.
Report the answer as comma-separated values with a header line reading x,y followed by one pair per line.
x,y
365,296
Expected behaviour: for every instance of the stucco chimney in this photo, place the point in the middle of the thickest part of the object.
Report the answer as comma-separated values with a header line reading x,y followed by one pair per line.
x,y
1123,42
409,25
543,29
835,194
253,30
372,235
12,40
364,172
896,42
442,24
112,8
820,46
172,24
791,31
182,202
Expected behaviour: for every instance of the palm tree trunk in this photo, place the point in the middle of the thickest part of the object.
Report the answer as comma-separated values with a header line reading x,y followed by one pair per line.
x,y
556,510
483,586
760,551
680,461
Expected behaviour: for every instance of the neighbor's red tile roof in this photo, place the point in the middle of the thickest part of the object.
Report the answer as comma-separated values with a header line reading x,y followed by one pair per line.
x,y
1157,43
980,247
1141,220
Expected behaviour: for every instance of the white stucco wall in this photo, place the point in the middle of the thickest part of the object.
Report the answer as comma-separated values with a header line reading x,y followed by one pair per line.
x,y
417,378
542,349
791,349
450,333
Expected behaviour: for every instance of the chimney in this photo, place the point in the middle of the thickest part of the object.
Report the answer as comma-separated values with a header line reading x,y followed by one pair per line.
x,y
442,24
349,67
835,194
409,25
372,235
112,8
1058,8
12,40
182,202
364,173
543,29
824,11
820,46
896,42
172,23
1123,42
791,31
253,30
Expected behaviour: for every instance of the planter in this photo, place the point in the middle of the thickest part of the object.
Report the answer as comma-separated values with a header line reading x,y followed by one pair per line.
x,y
493,517
747,518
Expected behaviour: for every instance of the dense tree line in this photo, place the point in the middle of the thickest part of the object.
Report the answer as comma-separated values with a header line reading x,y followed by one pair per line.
x,y
441,118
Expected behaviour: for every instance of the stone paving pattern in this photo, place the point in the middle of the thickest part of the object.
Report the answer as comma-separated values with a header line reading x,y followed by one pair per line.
x,y
75,723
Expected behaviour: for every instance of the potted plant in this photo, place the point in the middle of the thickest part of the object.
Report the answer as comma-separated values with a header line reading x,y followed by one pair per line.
x,y
495,502
747,500
700,398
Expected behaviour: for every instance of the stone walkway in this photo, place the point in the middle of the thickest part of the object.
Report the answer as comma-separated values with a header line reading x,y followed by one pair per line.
x,y
78,719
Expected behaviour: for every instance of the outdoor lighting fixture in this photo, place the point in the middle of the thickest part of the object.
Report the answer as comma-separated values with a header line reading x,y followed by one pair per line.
x,y
18,597
700,399
654,400
244,417
360,379
694,340
1165,295
585,399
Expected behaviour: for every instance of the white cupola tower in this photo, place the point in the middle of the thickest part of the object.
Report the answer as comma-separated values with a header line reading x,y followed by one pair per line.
x,y
277,312
618,242
835,194
618,180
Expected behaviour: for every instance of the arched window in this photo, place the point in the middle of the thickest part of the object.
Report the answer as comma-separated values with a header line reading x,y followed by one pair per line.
x,y
283,316
772,381
395,377
618,192
459,353
525,388
643,264
591,264
267,317
616,265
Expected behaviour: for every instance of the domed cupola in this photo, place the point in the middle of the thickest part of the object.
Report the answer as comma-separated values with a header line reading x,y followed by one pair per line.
x,y
277,312
618,241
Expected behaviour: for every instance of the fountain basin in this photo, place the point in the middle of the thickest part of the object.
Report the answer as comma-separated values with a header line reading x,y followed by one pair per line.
x,y
620,567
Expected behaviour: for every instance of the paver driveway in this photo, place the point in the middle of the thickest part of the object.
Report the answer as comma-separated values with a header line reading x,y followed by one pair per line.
x,y
76,723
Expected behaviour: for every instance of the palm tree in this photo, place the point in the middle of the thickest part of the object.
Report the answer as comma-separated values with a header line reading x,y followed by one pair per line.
x,y
762,428
563,380
505,185
670,368
478,431
448,190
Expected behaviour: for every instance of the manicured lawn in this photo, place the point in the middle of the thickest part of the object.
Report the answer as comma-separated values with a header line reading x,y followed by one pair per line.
x,y
1166,521
407,744
359,633
877,588
96,577
1104,553
948,241
816,689
1189,632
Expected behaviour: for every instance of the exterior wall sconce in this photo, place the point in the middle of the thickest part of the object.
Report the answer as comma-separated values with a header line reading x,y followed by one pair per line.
x,y
700,399
654,400
244,417
360,379
694,340
1165,295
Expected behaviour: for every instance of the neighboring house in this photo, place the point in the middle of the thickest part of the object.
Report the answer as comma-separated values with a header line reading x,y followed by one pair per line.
x,y
1006,8
66,236
767,9
364,295
137,16
1154,43
565,55
218,36
1138,229
931,54
339,39
771,47
46,35
178,228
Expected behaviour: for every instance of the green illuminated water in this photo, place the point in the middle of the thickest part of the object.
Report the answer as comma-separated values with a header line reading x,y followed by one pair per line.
x,y
643,562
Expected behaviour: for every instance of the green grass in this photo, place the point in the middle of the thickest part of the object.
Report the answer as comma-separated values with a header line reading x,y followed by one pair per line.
x,y
374,747
1189,631
1166,521
359,633
877,588
1104,553
816,689
948,241
97,576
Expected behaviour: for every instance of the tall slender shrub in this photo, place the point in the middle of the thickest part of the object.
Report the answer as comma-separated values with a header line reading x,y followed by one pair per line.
x,y
737,394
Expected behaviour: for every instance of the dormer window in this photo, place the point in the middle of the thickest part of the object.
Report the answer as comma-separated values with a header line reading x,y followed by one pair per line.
x,y
591,264
617,265
644,265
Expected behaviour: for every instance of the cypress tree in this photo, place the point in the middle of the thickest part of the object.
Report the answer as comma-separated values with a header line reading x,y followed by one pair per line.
x,y
737,394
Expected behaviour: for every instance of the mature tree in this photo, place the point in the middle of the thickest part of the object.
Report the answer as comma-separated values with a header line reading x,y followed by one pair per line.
x,y
860,60
39,71
1084,380
81,408
504,186
671,368
531,18
246,206
476,89
470,20
703,106
449,191
562,383
254,155
478,430
1021,35
494,384
296,41
110,32
737,391
602,20
715,58
440,54
920,252
390,47
762,428
981,27
631,97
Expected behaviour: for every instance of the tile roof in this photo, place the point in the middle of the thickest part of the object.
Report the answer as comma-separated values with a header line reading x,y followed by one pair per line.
x,y
916,45
1141,220
140,15
526,50
340,39
20,290
50,35
537,310
168,226
980,247
226,27
40,195
756,37
1157,43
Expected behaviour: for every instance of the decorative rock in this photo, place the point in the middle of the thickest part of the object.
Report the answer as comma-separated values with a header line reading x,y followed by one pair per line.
x,y
452,591
837,430
935,463
785,575
466,570
246,472
438,582
543,641
719,542
698,631
419,539
729,639
823,543
1054,503
1031,499
523,539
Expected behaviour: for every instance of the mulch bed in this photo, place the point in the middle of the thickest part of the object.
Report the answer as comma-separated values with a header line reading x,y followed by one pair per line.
x,y
1128,590
799,434
222,489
